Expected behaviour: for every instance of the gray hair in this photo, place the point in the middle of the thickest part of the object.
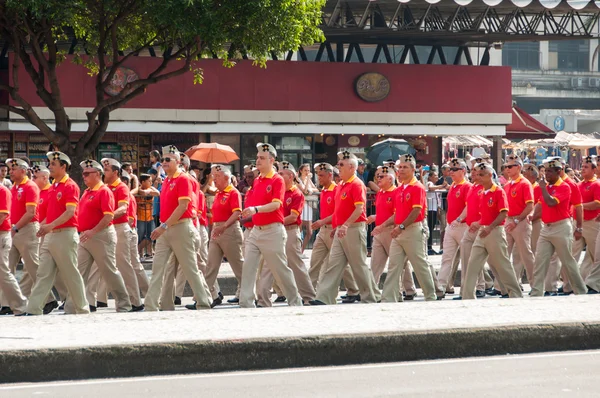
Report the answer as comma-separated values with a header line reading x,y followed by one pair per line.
x,y
353,162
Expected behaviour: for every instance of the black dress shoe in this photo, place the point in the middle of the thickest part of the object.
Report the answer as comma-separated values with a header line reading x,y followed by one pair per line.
x,y
101,304
440,296
493,292
409,297
592,291
49,307
560,290
6,311
431,252
137,308
504,296
62,306
351,299
234,300
191,306
480,293
217,301
550,294
457,298
92,308
177,300
280,299
346,296
25,314
316,302
565,293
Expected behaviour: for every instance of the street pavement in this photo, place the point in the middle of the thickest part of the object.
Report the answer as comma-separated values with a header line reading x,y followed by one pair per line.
x,y
572,374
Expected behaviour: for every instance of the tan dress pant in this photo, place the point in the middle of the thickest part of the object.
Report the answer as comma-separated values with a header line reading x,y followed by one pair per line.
x,y
556,238
351,249
466,246
293,252
59,253
12,296
320,257
180,240
519,241
589,238
229,244
202,259
268,242
493,249
100,250
380,253
138,268
411,245
123,255
592,279
451,254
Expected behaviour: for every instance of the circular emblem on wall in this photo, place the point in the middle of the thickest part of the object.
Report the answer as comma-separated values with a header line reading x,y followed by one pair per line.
x,y
119,80
353,141
559,123
330,141
372,87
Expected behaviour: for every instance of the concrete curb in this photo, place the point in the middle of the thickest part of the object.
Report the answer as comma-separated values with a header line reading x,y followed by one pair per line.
x,y
266,353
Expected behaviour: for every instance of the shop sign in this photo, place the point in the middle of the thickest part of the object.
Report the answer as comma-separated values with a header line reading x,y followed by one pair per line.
x,y
120,79
372,87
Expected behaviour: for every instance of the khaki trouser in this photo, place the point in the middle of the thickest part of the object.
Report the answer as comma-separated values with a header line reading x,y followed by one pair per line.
x,y
493,249
411,245
556,238
100,250
123,255
351,249
12,296
229,244
520,238
592,279
180,240
441,216
590,233
202,259
466,246
138,268
59,253
293,252
320,257
267,242
380,253
452,239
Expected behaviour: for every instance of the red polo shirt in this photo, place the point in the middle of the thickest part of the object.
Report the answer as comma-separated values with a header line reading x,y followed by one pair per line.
x,y
457,200
195,197
408,197
267,189
562,193
385,203
537,193
43,202
226,203
94,205
349,194
132,210
590,192
24,194
248,202
492,203
327,201
5,202
173,189
473,199
575,198
293,203
519,193
60,195
121,194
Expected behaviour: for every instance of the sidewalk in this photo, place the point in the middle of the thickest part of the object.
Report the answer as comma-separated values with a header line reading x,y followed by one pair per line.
x,y
107,344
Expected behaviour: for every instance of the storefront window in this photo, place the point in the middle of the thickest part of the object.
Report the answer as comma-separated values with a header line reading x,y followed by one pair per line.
x,y
294,149
248,147
569,55
524,56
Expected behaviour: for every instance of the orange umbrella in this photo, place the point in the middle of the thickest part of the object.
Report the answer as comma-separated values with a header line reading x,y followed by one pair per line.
x,y
212,153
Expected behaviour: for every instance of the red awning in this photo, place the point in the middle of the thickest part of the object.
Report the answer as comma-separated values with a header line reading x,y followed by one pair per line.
x,y
524,126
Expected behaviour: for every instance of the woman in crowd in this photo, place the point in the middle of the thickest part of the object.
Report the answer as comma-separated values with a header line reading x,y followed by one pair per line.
x,y
308,188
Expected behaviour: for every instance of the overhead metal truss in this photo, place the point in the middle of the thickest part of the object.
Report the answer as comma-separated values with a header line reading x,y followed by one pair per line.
x,y
446,22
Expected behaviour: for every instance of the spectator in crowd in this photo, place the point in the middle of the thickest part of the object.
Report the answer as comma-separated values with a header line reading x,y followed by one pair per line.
x,y
361,171
209,189
247,181
133,180
156,183
145,195
433,203
3,173
155,161
504,178
308,188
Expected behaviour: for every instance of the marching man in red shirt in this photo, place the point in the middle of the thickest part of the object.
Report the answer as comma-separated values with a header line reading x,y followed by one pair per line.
x,y
176,234
407,234
59,249
490,244
292,208
350,242
557,232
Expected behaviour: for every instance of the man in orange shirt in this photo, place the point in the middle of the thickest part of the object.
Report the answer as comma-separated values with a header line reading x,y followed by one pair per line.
x,y
519,194
59,249
490,244
350,241
557,232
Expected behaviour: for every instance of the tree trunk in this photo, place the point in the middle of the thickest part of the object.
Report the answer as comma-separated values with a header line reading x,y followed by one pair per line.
x,y
76,158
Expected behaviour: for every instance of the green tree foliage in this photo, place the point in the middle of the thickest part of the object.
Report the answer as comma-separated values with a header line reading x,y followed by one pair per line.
x,y
109,32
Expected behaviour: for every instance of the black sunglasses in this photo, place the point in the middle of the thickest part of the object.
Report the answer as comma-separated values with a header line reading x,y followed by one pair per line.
x,y
167,160
455,169
510,166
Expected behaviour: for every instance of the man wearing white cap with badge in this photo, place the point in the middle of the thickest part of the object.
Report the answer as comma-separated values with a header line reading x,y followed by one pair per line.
x,y
176,234
324,239
97,236
120,191
350,241
268,236
557,231
59,249
292,210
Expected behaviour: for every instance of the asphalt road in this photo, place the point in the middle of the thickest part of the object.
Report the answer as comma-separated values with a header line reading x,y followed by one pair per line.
x,y
573,374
